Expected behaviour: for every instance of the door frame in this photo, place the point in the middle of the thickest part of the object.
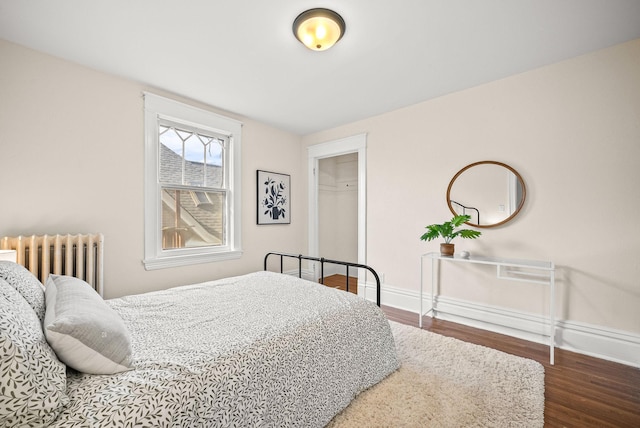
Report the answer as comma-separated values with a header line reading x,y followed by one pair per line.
x,y
354,144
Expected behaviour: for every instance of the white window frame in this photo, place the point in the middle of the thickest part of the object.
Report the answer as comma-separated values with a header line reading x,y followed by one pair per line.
x,y
156,108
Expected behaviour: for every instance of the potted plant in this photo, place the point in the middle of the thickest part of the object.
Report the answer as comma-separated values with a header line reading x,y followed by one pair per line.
x,y
447,230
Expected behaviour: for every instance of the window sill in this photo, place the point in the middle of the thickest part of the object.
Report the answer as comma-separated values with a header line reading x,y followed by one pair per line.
x,y
189,259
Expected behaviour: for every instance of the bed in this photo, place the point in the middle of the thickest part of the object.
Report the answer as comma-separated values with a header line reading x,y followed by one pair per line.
x,y
262,349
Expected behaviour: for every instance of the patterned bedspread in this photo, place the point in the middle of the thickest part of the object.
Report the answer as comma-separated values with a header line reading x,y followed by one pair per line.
x,y
259,350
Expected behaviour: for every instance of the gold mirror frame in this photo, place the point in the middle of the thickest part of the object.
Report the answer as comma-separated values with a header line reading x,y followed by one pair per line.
x,y
518,178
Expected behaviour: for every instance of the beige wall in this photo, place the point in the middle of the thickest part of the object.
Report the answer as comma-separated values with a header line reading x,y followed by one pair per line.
x,y
71,160
572,130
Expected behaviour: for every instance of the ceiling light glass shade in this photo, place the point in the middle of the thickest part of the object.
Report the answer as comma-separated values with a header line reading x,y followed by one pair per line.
x,y
319,29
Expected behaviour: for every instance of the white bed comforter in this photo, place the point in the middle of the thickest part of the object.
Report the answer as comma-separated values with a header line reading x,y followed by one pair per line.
x,y
259,350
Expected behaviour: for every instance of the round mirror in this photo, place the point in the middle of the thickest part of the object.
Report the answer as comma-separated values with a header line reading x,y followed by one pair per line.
x,y
492,193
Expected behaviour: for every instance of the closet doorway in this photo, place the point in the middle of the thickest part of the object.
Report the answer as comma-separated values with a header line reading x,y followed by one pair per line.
x,y
338,217
337,205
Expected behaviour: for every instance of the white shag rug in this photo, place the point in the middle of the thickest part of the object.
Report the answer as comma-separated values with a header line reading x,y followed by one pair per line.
x,y
445,382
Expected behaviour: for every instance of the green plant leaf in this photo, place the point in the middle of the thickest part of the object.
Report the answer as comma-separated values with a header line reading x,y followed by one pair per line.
x,y
469,234
430,235
459,220
447,230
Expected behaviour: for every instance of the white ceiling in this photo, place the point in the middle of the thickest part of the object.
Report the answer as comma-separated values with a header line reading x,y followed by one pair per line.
x,y
241,56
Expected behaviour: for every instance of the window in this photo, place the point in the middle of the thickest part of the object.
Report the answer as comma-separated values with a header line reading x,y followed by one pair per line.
x,y
192,184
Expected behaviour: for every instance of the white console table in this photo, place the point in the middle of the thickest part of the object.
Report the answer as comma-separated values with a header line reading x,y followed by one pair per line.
x,y
531,271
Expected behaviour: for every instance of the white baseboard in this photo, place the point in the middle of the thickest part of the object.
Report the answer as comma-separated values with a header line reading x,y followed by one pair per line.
x,y
596,341
306,274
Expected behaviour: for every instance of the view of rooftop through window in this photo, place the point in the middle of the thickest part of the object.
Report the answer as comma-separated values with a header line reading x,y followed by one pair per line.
x,y
193,194
202,155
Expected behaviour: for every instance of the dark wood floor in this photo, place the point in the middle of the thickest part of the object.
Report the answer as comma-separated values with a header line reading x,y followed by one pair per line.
x,y
340,282
580,391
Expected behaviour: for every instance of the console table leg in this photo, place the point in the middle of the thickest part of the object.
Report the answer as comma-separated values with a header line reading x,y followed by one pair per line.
x,y
433,280
552,313
421,297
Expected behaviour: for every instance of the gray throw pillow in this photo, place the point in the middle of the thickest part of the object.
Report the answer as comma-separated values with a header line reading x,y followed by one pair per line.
x,y
87,334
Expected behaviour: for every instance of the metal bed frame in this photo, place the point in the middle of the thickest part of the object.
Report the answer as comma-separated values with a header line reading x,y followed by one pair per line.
x,y
322,261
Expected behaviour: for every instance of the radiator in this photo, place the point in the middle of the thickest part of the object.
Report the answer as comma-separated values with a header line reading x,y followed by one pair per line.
x,y
74,255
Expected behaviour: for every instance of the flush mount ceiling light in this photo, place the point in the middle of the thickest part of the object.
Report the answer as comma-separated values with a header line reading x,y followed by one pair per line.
x,y
318,29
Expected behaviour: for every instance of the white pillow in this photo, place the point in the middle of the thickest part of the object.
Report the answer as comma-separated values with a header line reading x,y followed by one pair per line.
x,y
83,330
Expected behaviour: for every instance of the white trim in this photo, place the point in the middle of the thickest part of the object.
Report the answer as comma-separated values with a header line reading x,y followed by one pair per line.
x,y
306,274
596,341
354,144
156,107
601,342
191,259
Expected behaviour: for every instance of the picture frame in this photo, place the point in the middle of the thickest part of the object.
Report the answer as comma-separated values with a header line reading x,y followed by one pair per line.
x,y
273,197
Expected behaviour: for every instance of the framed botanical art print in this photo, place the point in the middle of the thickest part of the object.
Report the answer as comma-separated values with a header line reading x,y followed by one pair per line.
x,y
274,195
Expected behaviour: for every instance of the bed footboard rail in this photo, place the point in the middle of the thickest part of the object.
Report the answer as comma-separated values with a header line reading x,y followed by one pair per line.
x,y
322,261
